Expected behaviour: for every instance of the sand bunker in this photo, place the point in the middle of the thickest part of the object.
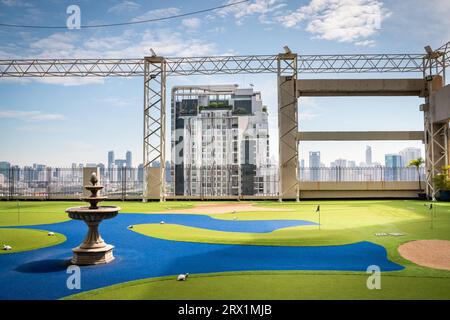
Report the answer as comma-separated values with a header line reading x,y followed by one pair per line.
x,y
428,253
210,208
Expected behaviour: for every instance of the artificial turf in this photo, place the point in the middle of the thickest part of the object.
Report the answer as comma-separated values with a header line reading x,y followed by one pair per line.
x,y
341,222
273,286
26,213
28,239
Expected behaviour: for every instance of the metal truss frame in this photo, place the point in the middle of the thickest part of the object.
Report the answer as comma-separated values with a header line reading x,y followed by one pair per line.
x,y
154,128
154,70
436,153
288,126
436,134
184,66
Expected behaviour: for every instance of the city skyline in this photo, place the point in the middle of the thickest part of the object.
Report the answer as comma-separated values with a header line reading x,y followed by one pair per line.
x,y
37,114
301,159
407,154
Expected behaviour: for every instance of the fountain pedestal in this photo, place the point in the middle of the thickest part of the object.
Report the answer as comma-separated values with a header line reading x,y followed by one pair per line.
x,y
93,250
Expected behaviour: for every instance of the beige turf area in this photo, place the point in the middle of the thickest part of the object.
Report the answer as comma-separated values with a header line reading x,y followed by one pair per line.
x,y
208,208
428,253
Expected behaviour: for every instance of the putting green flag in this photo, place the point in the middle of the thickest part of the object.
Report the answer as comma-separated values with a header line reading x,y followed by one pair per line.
x,y
318,208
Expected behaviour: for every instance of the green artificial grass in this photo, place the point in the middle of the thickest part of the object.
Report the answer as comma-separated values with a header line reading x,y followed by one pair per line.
x,y
28,239
272,286
342,222
26,213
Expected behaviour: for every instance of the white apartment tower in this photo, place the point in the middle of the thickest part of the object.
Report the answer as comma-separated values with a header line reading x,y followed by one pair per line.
x,y
220,141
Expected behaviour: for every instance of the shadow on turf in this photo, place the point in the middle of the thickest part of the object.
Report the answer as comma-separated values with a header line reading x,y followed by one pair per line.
x,y
44,266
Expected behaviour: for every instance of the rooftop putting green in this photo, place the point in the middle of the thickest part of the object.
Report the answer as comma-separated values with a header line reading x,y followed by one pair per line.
x,y
27,239
342,222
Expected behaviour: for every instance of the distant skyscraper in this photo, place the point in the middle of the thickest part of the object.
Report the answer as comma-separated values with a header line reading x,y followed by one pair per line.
x,y
128,158
409,154
340,163
393,164
314,159
101,166
141,172
314,164
120,163
368,155
110,158
4,169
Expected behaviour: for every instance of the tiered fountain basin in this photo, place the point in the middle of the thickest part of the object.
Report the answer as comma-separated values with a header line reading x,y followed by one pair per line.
x,y
93,250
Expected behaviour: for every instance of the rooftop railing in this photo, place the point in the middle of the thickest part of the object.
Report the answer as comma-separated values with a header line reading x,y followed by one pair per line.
x,y
127,183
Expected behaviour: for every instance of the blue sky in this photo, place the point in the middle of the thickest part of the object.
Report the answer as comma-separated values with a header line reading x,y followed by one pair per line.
x,y
60,121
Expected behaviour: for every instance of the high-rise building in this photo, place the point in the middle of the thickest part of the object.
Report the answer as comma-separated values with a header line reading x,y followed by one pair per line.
x,y
4,169
101,167
393,163
314,159
140,172
407,155
342,163
128,159
220,141
368,155
314,165
110,159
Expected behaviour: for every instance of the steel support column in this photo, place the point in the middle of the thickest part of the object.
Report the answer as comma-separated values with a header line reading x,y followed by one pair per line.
x,y
154,128
436,138
288,126
436,143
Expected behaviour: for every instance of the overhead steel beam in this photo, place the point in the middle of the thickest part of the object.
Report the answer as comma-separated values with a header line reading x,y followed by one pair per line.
x,y
360,135
353,63
361,87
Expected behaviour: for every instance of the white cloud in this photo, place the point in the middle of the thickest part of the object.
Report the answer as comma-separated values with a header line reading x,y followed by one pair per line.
x,y
157,13
339,20
261,8
15,3
365,43
124,6
191,23
30,115
71,81
308,108
118,102
9,3
128,44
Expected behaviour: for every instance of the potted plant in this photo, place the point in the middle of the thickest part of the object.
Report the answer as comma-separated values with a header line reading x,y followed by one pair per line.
x,y
442,184
417,163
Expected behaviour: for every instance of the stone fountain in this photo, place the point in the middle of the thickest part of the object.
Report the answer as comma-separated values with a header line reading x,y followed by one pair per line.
x,y
93,250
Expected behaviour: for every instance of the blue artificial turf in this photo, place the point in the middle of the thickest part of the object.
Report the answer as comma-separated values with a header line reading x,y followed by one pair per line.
x,y
41,274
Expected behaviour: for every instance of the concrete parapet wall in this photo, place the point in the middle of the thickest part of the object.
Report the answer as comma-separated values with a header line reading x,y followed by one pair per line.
x,y
359,189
